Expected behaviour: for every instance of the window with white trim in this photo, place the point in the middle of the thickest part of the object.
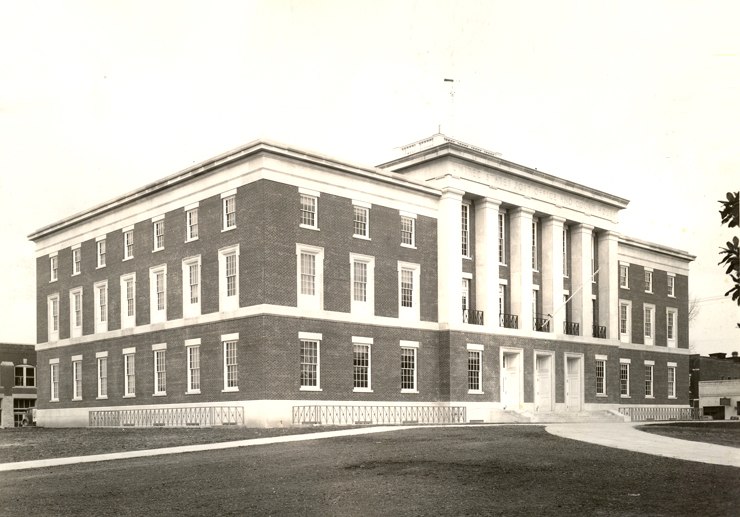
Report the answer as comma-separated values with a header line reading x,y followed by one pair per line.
x,y
52,303
671,317
624,276
102,361
625,323
535,259
191,224
192,354
160,370
624,379
501,299
77,379
76,260
566,250
408,291
361,363
465,226
465,288
75,312
53,268
594,245
54,380
158,230
502,238
362,279
361,220
128,244
475,371
310,276
158,294
310,364
408,368
648,280
228,215
128,301
100,252
228,278
25,376
100,292
671,285
309,212
671,381
601,377
191,286
408,231
231,372
649,324
649,380
129,373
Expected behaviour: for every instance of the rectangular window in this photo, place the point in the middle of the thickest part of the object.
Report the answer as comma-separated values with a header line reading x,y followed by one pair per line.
x,y
361,366
128,301
25,376
600,377
76,261
671,382
648,281
100,245
359,282
230,367
54,267
593,257
308,274
191,287
102,377
158,294
649,380
535,261
191,224
671,285
624,276
362,278
624,321
624,379
566,249
502,238
310,277
671,316
649,324
158,228
160,373
474,370
129,378
101,306
309,364
54,381
228,289
501,299
465,220
408,231
193,368
465,288
229,212
53,317
76,380
309,208
75,317
128,244
408,291
408,369
361,222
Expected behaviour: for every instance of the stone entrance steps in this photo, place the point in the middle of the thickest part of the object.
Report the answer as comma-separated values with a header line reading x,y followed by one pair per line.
x,y
567,416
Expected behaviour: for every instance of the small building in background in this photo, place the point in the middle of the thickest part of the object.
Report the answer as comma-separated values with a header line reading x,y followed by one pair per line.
x,y
17,382
715,384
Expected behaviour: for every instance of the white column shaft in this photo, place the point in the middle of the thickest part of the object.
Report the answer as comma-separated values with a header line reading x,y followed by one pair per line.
x,y
449,252
552,272
520,223
486,260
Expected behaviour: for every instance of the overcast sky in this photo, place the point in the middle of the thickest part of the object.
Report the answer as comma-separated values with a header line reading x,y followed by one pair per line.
x,y
638,99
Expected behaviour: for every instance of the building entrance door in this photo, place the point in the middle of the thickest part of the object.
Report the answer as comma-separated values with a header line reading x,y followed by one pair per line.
x,y
573,383
543,382
510,380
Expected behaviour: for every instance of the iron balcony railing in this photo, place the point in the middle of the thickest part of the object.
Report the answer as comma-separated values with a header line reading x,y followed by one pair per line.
x,y
509,321
472,317
541,323
642,414
168,417
358,415
599,331
571,328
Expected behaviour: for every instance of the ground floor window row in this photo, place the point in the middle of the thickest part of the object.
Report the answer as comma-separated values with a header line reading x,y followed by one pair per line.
x,y
648,377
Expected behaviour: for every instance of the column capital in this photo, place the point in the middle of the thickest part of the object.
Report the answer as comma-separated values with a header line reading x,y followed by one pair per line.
x,y
452,193
522,210
582,227
556,219
488,202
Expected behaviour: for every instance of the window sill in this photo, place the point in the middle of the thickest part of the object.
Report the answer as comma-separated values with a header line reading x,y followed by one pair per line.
x,y
409,391
75,274
157,249
52,281
127,258
129,396
476,392
504,264
601,395
310,388
230,390
625,288
650,396
102,398
362,237
228,229
671,296
191,240
75,399
409,246
193,392
672,397
162,394
648,292
624,396
100,267
307,227
362,390
53,400
467,258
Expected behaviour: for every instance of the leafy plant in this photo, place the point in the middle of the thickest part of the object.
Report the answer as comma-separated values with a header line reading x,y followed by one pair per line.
x,y
730,254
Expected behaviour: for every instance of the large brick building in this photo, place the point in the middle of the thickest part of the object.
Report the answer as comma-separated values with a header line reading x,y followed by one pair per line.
x,y
271,278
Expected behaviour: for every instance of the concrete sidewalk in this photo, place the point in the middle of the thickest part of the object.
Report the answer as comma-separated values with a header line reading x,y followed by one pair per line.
x,y
626,436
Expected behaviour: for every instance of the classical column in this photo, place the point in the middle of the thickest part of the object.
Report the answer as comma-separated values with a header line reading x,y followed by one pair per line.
x,y
486,260
449,252
552,272
582,308
520,224
609,283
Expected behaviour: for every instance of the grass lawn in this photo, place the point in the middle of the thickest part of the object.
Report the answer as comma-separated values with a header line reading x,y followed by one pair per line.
x,y
718,432
508,470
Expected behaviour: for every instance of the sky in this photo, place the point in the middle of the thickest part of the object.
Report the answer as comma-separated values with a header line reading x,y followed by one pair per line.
x,y
638,99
